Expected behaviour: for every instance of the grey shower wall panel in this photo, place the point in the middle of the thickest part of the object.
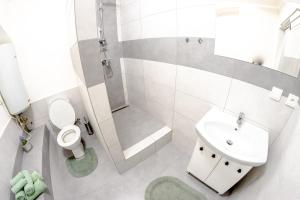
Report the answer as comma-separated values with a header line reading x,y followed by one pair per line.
x,y
114,85
201,56
91,63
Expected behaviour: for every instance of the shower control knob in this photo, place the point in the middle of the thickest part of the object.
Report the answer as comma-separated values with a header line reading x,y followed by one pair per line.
x,y
226,163
103,42
213,156
239,171
201,148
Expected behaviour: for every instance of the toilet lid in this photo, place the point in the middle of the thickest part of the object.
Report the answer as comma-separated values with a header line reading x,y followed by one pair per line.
x,y
61,113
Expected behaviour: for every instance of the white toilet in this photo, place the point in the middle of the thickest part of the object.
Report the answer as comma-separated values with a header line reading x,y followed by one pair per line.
x,y
62,115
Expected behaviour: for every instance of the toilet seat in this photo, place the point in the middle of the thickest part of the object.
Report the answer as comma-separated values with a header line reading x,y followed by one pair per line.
x,y
69,137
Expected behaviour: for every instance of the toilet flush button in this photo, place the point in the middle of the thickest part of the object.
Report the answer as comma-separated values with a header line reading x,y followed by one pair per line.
x,y
292,101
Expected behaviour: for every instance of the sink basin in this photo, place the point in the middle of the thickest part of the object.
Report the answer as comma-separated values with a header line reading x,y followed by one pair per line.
x,y
247,144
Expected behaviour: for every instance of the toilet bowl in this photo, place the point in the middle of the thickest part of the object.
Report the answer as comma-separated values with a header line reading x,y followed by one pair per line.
x,y
62,115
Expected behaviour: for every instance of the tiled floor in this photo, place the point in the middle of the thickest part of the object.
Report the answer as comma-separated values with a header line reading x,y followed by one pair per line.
x,y
134,125
105,182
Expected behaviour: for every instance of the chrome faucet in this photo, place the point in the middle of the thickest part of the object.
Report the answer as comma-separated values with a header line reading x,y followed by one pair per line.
x,y
240,119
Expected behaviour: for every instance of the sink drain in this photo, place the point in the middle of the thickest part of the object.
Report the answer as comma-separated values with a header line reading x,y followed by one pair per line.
x,y
229,142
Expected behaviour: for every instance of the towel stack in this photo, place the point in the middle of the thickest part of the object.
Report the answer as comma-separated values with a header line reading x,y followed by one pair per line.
x,y
27,186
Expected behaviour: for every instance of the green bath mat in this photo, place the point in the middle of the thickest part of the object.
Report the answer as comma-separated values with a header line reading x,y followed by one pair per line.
x,y
171,188
84,166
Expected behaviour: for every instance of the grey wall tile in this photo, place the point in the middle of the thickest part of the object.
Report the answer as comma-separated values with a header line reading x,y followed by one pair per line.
x,y
115,91
113,52
201,56
158,49
91,62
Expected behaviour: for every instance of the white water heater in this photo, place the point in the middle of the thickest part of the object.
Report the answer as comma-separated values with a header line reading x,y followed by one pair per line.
x,y
12,88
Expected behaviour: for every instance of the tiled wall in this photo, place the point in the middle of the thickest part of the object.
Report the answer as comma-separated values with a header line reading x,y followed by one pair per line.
x,y
157,31
113,52
153,18
38,112
179,96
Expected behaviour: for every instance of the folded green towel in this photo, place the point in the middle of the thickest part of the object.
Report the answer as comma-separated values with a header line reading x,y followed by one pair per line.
x,y
19,185
39,188
35,175
20,195
28,189
16,178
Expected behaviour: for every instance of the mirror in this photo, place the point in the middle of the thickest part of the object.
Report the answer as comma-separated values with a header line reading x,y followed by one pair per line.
x,y
260,34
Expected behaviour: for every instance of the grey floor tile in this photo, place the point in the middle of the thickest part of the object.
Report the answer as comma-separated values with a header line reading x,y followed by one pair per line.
x,y
134,125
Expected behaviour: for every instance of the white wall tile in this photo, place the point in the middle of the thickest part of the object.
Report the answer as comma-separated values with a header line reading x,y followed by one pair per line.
x,y
160,93
137,99
136,90
91,116
196,21
135,83
256,104
159,72
76,61
109,132
124,81
119,23
134,67
204,85
131,31
150,7
190,107
130,12
100,103
191,3
185,125
159,25
86,24
125,2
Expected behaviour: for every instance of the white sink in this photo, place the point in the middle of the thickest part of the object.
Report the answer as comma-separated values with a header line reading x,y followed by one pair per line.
x,y
247,144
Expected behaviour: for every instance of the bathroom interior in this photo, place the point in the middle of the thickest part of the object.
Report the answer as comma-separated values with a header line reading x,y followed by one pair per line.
x,y
148,99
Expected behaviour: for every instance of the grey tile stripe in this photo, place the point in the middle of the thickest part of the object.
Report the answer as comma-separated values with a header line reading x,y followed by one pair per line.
x,y
201,56
91,61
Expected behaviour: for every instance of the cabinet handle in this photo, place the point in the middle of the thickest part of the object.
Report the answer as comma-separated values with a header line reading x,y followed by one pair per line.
x,y
213,156
226,163
201,148
239,171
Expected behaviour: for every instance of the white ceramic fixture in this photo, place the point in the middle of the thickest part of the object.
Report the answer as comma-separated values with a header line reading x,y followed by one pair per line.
x,y
246,144
226,150
62,115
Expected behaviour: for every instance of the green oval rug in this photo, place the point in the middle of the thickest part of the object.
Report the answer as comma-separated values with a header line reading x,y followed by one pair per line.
x,y
84,166
171,188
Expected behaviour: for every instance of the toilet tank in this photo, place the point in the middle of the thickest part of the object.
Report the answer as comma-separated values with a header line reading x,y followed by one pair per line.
x,y
12,88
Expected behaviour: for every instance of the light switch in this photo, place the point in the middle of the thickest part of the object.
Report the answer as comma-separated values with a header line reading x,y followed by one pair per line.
x,y
276,93
292,101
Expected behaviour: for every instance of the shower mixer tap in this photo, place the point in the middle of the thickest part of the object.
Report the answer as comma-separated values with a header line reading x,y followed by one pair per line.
x,y
107,68
105,62
103,42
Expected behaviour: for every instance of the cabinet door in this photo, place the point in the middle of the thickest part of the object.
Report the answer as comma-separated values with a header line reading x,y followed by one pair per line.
x,y
225,175
203,161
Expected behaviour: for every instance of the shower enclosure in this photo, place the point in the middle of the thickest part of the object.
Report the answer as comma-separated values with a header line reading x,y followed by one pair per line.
x,y
135,125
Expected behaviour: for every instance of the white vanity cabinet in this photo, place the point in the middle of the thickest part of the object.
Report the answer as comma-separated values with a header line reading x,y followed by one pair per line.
x,y
226,174
217,172
203,161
